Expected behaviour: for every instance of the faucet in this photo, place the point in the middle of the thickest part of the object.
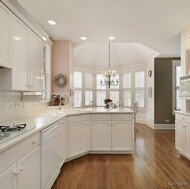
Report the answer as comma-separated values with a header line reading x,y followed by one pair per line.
x,y
59,102
118,103
91,103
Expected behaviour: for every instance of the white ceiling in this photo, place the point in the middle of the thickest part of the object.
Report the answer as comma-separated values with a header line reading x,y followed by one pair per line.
x,y
157,24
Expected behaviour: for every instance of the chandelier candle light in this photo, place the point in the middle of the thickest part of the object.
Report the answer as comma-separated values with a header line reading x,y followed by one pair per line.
x,y
109,78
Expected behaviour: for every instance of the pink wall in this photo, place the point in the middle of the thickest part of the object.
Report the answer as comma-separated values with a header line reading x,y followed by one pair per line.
x,y
60,64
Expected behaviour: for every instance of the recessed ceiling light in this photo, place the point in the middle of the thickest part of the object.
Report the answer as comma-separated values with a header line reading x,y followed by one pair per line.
x,y
51,22
111,38
83,38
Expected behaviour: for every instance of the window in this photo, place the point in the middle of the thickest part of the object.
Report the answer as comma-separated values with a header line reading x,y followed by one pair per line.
x,y
89,87
77,89
127,89
140,88
100,91
176,75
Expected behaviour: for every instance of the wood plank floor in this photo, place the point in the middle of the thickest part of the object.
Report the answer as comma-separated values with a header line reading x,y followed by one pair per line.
x,y
154,164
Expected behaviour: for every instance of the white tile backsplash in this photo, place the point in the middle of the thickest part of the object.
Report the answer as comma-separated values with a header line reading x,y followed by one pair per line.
x,y
11,105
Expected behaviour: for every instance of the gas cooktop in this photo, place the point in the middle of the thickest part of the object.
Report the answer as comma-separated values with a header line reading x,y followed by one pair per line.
x,y
8,132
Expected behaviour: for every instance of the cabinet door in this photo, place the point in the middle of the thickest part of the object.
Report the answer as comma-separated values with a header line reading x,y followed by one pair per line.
x,y
5,37
29,172
122,139
187,141
63,144
35,63
8,178
101,135
78,138
20,55
179,136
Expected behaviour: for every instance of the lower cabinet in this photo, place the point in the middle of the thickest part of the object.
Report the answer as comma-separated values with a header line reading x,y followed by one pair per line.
x,y
79,132
182,134
22,174
101,135
111,132
63,140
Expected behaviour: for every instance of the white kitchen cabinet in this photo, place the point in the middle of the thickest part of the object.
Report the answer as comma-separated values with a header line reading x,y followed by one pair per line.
x,y
20,168
5,37
182,134
112,132
101,135
122,136
79,132
20,52
29,172
27,60
8,178
63,140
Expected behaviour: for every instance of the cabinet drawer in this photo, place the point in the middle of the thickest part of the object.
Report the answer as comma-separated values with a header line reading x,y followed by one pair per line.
x,y
14,153
181,117
121,117
79,118
98,117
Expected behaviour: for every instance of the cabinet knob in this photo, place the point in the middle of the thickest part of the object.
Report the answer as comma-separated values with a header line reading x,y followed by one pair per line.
x,y
34,142
16,172
21,168
121,117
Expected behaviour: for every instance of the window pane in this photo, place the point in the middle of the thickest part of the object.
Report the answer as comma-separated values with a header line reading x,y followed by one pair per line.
x,y
139,79
139,97
89,80
77,98
88,97
127,80
78,79
178,101
178,74
99,77
100,96
127,98
114,95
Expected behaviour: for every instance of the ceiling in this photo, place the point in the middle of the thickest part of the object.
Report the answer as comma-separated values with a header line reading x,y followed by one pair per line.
x,y
156,24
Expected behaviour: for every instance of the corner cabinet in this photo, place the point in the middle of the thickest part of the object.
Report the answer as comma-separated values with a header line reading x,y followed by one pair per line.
x,y
79,135
182,134
112,132
5,37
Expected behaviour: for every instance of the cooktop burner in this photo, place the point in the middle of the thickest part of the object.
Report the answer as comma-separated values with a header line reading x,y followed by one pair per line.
x,y
8,132
16,127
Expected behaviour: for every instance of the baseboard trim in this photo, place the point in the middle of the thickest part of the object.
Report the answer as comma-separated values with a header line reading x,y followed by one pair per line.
x,y
164,126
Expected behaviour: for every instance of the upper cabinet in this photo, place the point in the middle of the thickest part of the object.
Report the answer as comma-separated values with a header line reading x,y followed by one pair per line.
x,y
27,60
5,34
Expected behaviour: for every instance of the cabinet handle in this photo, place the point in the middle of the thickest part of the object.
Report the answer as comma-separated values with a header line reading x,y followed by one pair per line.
x,y
87,124
34,142
21,168
121,117
16,172
110,124
101,117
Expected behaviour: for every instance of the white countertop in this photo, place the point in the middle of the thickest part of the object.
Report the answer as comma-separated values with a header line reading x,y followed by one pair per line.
x,y
38,121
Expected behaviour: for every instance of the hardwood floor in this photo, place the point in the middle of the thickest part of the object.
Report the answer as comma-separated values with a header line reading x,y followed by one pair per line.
x,y
154,164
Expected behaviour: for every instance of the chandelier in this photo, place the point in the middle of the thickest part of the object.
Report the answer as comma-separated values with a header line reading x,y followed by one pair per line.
x,y
109,78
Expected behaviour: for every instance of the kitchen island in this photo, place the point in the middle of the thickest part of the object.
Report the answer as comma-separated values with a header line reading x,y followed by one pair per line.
x,y
79,132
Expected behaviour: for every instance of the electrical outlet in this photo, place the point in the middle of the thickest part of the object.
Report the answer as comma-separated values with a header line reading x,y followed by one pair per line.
x,y
18,104
167,120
